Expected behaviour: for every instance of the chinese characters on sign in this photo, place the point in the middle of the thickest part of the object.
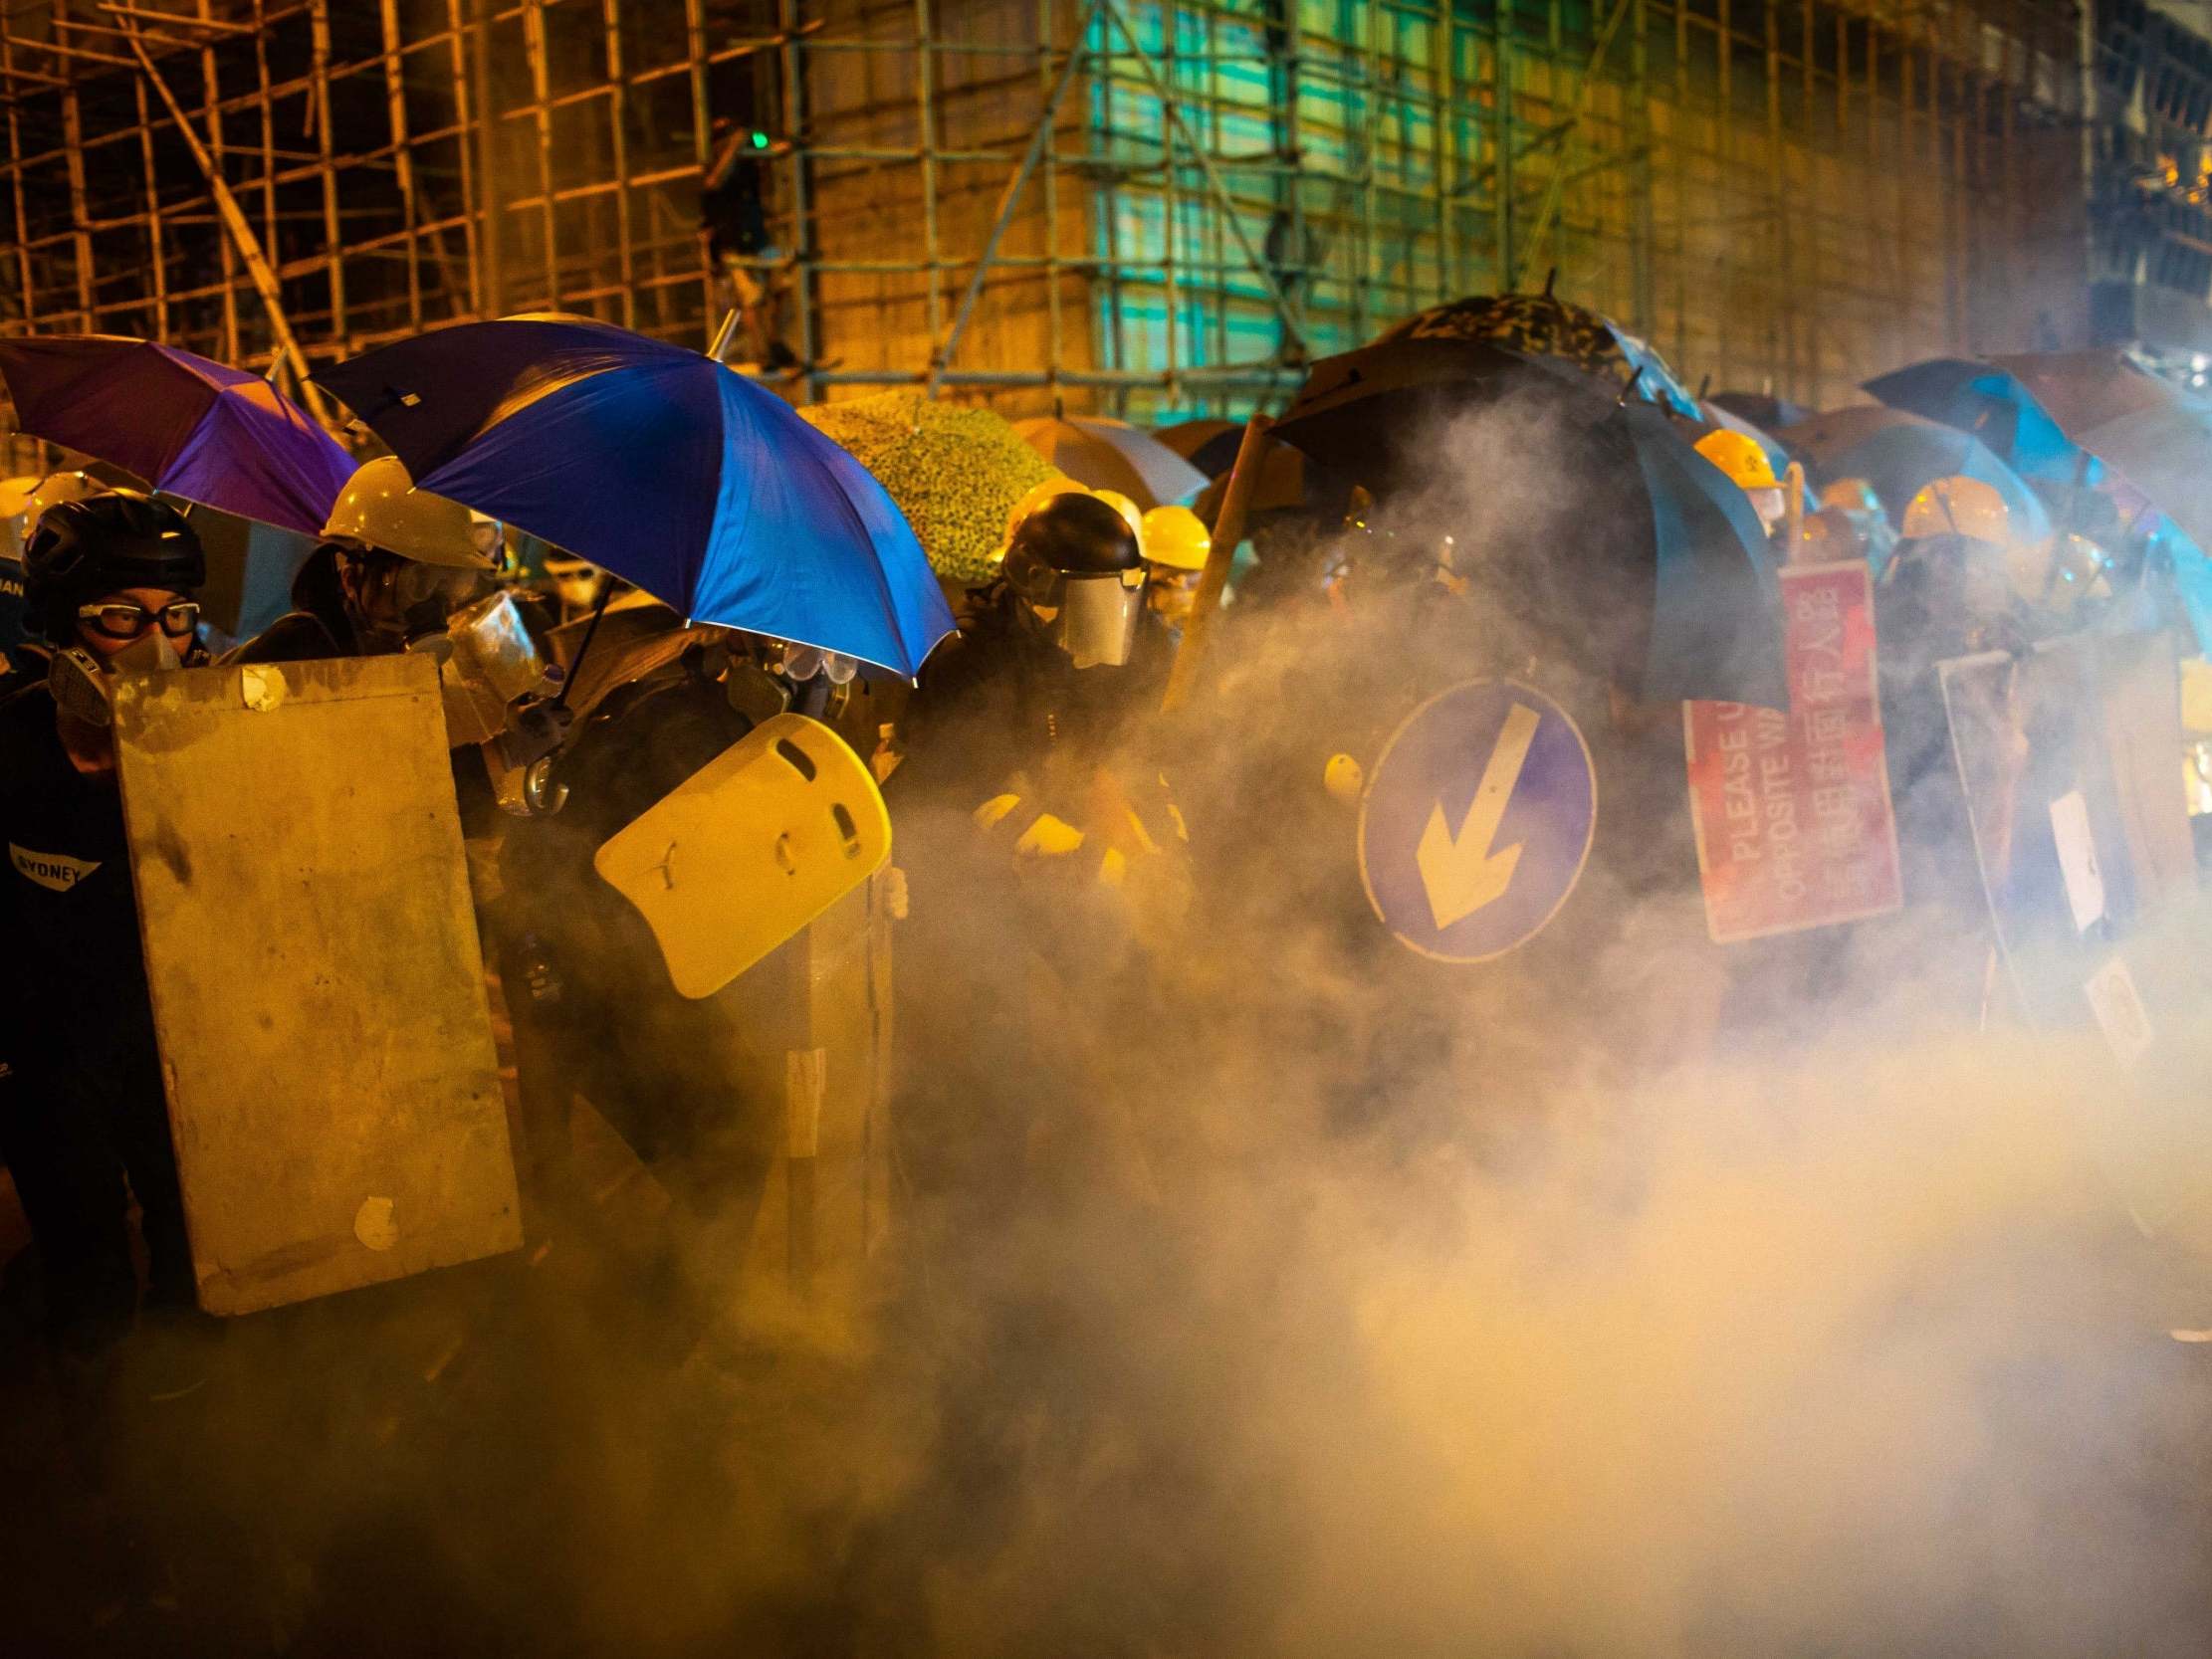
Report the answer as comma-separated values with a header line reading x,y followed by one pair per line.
x,y
1792,810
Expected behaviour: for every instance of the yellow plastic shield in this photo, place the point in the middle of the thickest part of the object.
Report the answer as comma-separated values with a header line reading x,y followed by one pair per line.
x,y
751,849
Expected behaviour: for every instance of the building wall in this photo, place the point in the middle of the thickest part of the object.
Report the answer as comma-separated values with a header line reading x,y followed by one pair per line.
x,y
1782,197
1823,199
2151,178
899,227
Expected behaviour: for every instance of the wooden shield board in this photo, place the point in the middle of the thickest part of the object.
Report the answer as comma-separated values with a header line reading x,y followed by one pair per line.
x,y
318,986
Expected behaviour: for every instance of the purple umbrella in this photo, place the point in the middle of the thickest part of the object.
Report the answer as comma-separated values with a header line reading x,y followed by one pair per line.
x,y
189,427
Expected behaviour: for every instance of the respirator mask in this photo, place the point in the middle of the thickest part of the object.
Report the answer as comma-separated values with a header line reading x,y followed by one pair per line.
x,y
82,686
1172,593
410,603
575,584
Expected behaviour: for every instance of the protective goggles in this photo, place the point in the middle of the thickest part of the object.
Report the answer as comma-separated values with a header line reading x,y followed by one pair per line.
x,y
127,619
411,584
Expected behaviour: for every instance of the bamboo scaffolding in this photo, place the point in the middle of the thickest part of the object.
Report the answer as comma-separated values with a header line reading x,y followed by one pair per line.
x,y
1221,177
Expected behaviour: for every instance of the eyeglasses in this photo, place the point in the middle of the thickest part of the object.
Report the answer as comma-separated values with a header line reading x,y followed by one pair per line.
x,y
127,619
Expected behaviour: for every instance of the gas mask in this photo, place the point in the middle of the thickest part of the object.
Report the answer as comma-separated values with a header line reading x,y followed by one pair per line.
x,y
1093,619
575,586
404,604
489,537
82,686
1171,592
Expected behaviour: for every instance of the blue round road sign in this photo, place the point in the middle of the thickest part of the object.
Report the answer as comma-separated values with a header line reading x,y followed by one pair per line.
x,y
1478,821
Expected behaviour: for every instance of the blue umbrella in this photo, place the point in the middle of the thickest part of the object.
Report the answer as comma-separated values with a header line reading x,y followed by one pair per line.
x,y
1716,609
663,466
1650,375
1897,453
1993,405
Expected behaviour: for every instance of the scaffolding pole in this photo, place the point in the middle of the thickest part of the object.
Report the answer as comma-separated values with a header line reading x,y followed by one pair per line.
x,y
1092,180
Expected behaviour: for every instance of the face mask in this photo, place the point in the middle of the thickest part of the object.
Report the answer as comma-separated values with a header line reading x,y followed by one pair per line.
x,y
1172,593
404,602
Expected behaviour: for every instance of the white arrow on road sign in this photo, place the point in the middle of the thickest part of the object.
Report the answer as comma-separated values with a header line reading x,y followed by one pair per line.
x,y
1459,872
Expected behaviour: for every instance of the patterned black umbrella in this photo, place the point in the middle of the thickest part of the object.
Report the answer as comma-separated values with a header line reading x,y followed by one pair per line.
x,y
1542,325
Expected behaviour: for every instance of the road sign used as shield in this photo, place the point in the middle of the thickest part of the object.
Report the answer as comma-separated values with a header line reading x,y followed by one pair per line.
x,y
1794,827
1478,821
318,989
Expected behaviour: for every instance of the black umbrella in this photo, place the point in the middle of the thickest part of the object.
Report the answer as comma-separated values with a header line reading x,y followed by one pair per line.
x,y
1544,325
1355,410
1670,537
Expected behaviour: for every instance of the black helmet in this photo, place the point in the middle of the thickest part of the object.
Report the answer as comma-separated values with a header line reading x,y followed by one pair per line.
x,y
1079,573
82,549
1076,536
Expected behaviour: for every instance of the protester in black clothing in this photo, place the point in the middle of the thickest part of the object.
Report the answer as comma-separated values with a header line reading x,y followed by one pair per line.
x,y
396,564
81,1103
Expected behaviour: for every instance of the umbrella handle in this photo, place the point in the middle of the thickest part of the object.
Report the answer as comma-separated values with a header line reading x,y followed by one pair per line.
x,y
1229,531
600,609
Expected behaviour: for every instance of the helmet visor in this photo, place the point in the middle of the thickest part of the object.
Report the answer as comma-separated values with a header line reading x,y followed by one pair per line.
x,y
1097,621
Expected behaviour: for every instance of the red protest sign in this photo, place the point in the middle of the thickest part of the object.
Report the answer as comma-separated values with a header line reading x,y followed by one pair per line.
x,y
1794,824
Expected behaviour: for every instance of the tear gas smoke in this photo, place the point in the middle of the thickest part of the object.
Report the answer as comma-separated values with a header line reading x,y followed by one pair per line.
x,y
1281,1293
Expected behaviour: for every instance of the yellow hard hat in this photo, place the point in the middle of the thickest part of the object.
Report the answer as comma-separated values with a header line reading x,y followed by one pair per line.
x,y
15,495
1959,507
55,489
1132,514
381,508
1741,458
1176,537
1059,484
1344,779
